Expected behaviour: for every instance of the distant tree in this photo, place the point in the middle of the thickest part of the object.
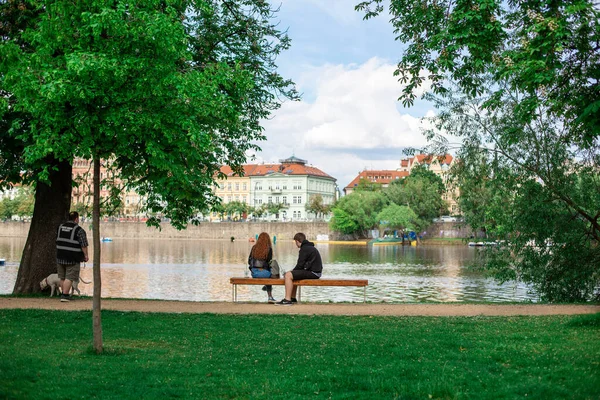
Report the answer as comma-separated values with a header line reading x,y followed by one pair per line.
x,y
7,208
24,202
357,212
366,185
422,172
400,218
420,193
274,208
259,211
236,209
315,205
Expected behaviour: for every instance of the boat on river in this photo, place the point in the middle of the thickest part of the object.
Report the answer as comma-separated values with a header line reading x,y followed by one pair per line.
x,y
393,238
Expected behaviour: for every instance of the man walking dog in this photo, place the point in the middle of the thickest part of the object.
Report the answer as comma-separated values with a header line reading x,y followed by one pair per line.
x,y
71,250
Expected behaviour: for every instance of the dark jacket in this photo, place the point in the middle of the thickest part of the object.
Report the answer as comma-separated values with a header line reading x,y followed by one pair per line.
x,y
256,263
309,258
68,247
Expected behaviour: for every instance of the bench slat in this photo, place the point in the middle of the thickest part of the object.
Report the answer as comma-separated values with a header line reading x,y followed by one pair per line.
x,y
303,282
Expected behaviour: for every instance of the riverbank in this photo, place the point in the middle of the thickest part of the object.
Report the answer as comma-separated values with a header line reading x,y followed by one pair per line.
x,y
213,356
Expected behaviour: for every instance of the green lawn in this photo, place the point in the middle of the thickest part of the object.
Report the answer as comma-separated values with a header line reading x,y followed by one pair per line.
x,y
47,354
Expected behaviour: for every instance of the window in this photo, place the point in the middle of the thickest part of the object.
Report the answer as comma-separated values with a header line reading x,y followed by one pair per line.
x,y
277,199
237,186
284,199
244,186
270,199
229,186
244,199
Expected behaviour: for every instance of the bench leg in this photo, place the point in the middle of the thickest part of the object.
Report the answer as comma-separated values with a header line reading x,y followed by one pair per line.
x,y
299,293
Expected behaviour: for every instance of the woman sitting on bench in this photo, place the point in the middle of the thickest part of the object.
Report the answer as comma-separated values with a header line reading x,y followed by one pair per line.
x,y
259,262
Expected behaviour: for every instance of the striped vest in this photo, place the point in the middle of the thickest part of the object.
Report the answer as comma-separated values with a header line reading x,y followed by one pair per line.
x,y
67,245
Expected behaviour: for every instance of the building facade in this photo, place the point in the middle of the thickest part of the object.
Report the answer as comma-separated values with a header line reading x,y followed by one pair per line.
x,y
82,194
291,184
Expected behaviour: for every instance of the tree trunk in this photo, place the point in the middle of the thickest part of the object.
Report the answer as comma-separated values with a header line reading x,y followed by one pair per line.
x,y
51,208
96,310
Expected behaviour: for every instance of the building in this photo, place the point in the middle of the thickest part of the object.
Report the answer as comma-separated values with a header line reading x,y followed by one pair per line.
x,y
234,187
82,194
292,184
381,177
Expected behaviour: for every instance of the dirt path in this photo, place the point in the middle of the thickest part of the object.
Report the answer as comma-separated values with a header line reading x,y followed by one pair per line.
x,y
305,308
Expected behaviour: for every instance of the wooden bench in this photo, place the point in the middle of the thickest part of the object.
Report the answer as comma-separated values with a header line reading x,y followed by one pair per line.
x,y
303,282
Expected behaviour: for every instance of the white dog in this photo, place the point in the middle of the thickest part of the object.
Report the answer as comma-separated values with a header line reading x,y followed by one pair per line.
x,y
54,283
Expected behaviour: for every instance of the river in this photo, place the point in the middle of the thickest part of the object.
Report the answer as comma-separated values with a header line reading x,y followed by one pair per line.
x,y
199,270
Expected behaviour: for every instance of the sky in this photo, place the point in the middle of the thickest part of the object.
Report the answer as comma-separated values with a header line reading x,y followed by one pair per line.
x,y
349,118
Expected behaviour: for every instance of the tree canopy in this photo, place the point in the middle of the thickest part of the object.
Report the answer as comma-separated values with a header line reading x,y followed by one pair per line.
x,y
167,91
518,83
357,212
398,217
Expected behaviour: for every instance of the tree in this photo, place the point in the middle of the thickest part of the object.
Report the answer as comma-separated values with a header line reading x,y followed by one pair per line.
x,y
399,218
167,112
420,193
518,83
545,50
24,202
274,208
236,208
167,91
357,212
422,172
367,185
315,205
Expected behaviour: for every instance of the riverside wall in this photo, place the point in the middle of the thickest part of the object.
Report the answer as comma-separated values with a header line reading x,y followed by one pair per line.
x,y
225,230
206,230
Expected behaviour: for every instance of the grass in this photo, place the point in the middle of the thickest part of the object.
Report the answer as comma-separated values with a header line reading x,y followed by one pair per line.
x,y
47,354
446,241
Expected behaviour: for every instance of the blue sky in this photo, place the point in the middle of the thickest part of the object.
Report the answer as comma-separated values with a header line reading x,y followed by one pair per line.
x,y
349,118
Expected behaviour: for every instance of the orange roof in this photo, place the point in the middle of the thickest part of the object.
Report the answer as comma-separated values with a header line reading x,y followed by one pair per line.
x,y
378,176
288,169
248,168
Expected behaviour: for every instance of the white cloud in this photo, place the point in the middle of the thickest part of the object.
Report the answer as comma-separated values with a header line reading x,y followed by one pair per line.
x,y
351,121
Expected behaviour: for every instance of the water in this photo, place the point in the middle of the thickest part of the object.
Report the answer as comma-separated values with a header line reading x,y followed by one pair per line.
x,y
174,269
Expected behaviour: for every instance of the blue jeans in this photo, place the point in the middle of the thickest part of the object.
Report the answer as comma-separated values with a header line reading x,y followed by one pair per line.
x,y
264,273
260,273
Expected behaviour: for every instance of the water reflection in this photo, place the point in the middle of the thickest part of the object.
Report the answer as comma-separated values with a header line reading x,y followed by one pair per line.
x,y
197,270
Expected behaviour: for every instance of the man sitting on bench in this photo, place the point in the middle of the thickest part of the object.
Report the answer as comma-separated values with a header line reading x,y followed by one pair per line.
x,y
309,266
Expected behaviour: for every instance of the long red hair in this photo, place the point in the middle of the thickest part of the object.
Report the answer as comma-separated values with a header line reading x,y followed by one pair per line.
x,y
260,250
